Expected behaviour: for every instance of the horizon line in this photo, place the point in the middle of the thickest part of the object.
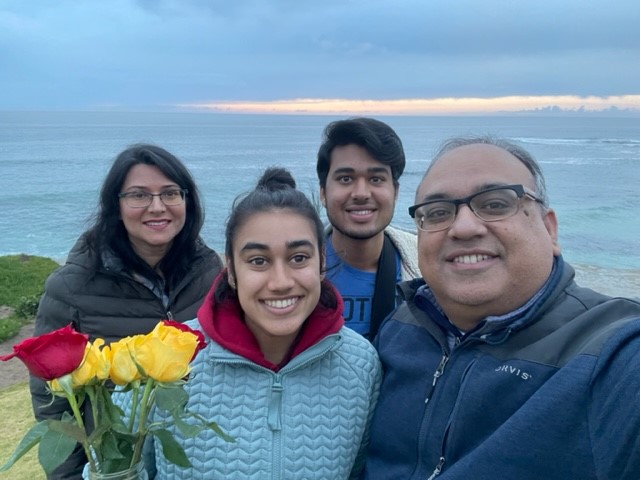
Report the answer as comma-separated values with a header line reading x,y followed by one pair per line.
x,y
427,106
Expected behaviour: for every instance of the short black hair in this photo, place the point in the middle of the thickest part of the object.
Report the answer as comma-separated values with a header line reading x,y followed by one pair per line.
x,y
376,137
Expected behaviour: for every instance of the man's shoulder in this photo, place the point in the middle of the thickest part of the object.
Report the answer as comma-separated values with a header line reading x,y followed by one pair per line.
x,y
607,320
406,244
400,232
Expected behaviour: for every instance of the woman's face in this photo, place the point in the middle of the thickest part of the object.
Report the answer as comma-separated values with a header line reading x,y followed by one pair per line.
x,y
151,229
277,274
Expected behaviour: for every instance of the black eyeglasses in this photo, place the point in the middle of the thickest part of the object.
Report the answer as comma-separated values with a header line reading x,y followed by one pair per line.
x,y
139,199
490,205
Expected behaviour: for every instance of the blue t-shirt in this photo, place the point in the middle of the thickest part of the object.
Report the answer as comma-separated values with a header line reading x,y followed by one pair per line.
x,y
356,288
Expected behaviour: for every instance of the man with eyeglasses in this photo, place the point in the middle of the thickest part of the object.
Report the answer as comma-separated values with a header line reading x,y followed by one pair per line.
x,y
497,365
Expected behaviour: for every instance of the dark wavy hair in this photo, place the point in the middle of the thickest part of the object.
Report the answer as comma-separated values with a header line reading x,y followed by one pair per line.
x,y
376,137
108,231
276,190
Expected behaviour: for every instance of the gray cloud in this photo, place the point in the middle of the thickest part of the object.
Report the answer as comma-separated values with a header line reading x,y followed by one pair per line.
x,y
79,53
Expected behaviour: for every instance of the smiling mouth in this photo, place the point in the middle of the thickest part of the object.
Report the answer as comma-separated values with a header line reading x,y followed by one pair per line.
x,y
470,259
284,303
360,212
156,223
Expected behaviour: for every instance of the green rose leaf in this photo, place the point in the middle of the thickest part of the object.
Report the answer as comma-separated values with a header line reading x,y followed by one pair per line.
x,y
55,447
171,398
171,449
76,433
187,429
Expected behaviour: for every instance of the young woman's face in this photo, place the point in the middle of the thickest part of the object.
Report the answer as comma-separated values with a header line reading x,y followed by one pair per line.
x,y
277,274
151,229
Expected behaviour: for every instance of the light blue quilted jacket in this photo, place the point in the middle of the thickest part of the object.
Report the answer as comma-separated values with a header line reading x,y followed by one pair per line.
x,y
308,421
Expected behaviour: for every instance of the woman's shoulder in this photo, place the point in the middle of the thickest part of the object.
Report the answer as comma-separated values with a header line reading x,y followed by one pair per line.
x,y
207,255
358,348
70,272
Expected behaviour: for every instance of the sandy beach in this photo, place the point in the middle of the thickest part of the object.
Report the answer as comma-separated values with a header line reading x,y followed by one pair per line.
x,y
610,281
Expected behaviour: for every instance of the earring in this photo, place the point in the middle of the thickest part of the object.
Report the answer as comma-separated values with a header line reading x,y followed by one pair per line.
x,y
232,282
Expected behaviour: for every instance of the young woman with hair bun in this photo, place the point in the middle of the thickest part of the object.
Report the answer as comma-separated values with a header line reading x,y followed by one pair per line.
x,y
281,374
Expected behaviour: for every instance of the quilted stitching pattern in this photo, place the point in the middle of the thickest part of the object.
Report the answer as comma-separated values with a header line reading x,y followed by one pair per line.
x,y
325,409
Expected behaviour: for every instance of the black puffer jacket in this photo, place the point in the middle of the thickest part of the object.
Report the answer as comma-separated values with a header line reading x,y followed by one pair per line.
x,y
112,304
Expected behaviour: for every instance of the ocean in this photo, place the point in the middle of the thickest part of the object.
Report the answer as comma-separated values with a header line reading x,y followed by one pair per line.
x,y
52,165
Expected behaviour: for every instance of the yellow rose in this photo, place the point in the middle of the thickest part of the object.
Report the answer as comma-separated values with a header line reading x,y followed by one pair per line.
x,y
121,356
55,387
165,353
94,366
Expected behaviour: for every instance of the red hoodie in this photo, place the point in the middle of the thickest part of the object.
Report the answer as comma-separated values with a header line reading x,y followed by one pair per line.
x,y
225,324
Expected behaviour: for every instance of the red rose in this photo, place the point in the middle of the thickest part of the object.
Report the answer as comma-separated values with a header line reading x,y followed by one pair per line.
x,y
51,355
185,328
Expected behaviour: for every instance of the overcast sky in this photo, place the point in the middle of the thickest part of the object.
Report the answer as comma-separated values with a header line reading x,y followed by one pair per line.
x,y
127,54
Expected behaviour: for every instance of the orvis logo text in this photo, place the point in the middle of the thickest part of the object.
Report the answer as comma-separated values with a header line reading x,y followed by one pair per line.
x,y
511,370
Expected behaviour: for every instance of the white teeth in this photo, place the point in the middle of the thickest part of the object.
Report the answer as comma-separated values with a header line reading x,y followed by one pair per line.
x,y
361,212
281,303
155,224
471,258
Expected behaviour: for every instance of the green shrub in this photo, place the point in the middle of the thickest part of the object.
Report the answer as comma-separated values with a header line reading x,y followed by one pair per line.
x,y
9,327
23,276
28,306
22,280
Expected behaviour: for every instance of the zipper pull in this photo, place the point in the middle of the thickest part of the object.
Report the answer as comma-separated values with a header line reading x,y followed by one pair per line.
x,y
436,375
169,315
275,404
439,371
438,469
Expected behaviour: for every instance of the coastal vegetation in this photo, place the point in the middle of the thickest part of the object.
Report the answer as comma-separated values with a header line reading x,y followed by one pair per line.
x,y
22,280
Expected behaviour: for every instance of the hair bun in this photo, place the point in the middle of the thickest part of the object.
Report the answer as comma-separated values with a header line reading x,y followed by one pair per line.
x,y
276,178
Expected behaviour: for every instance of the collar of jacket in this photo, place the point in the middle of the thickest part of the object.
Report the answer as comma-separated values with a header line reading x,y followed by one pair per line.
x,y
225,324
493,329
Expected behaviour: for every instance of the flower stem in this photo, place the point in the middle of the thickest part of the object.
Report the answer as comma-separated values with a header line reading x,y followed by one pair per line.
x,y
93,400
145,405
134,405
78,416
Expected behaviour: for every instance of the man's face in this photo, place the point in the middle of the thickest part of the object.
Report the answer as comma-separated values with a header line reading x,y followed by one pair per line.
x,y
359,194
477,268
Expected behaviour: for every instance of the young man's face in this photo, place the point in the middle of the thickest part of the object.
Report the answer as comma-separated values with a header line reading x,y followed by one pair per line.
x,y
359,194
477,268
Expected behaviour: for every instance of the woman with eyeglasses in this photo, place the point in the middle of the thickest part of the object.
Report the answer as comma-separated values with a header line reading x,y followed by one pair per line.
x,y
142,261
280,374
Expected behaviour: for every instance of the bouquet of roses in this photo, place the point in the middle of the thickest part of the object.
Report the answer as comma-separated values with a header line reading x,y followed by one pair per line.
x,y
150,368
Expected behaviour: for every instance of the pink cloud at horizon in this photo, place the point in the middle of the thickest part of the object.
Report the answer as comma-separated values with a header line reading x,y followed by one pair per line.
x,y
423,106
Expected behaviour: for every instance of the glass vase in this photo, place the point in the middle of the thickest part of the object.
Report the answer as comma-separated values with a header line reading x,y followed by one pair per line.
x,y
137,472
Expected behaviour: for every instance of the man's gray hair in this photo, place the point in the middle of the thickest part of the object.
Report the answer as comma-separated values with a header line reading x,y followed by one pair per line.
x,y
516,150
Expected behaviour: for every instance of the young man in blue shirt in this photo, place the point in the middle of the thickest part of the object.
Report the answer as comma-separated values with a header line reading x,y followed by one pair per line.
x,y
359,166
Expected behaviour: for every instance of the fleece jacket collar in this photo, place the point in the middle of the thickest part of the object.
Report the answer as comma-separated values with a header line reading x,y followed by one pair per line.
x,y
493,329
224,323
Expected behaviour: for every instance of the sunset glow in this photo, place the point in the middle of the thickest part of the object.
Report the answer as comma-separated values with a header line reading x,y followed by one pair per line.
x,y
421,106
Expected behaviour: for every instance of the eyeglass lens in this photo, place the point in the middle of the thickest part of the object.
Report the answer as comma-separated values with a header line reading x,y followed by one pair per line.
x,y
489,206
144,199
